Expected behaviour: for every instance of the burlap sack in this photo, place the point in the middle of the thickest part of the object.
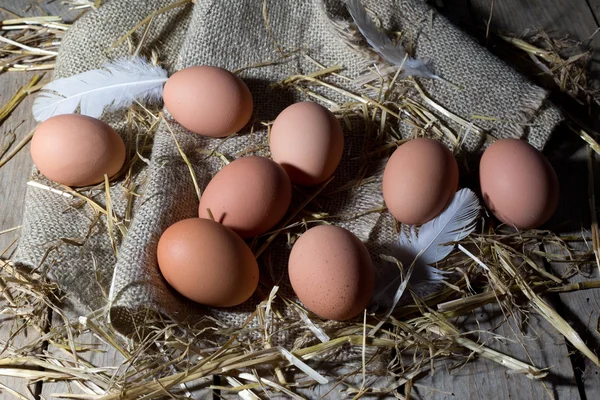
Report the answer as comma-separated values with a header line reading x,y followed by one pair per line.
x,y
232,34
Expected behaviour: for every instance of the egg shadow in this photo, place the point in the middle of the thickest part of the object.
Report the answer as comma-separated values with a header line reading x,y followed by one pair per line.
x,y
269,100
358,162
573,211
388,277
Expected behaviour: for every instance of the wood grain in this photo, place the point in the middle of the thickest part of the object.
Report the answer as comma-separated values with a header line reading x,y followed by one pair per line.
x,y
582,308
481,379
558,18
96,353
531,340
14,175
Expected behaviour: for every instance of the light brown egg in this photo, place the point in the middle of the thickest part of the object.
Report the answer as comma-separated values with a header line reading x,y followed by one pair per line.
x,y
250,196
419,180
308,142
331,272
77,150
207,263
210,101
518,184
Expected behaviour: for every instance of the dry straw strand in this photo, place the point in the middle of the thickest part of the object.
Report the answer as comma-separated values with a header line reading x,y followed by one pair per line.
x,y
166,354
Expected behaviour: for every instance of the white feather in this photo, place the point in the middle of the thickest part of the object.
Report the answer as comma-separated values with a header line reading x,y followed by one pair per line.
x,y
116,86
394,54
455,223
421,249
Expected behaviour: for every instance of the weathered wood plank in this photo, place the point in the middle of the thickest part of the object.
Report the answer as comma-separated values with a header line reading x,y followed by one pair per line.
x,y
24,336
485,379
582,308
539,345
14,174
595,8
558,18
101,355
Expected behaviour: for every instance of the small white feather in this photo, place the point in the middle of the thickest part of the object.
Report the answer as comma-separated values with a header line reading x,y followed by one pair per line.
x,y
117,85
455,223
382,44
421,249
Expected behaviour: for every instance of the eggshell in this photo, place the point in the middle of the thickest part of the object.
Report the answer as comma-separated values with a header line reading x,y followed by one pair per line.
x,y
308,142
419,180
210,101
77,150
250,196
331,272
207,263
518,184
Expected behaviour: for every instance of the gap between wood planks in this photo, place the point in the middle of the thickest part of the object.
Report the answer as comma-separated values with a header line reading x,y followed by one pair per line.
x,y
592,4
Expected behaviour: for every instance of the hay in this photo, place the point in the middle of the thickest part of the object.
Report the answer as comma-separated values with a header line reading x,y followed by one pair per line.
x,y
494,265
567,73
30,43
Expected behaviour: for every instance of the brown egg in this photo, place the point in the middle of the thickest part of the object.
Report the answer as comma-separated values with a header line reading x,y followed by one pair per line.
x,y
419,180
249,196
331,272
77,150
308,142
210,101
518,184
207,263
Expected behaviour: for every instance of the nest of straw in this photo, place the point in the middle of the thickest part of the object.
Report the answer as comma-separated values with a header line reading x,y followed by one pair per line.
x,y
164,358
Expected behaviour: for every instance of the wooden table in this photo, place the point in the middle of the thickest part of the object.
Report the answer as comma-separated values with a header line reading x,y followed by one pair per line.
x,y
572,377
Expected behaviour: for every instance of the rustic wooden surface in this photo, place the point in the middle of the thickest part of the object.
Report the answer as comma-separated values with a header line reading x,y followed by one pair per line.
x,y
13,177
573,376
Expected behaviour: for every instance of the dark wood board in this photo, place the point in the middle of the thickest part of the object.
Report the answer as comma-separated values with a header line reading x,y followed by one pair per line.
x,y
577,19
532,341
560,19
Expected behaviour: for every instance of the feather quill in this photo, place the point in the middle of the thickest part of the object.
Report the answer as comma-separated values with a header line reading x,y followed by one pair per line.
x,y
421,249
117,85
382,44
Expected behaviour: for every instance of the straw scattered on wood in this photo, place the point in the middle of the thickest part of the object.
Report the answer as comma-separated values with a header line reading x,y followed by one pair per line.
x,y
569,73
493,266
18,97
15,150
566,64
30,43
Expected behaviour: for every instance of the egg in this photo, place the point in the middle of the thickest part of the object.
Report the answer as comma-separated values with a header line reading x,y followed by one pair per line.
x,y
308,142
419,180
518,184
207,263
249,196
331,272
210,101
77,150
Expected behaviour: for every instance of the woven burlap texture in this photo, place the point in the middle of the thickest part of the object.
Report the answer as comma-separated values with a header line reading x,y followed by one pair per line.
x,y
233,35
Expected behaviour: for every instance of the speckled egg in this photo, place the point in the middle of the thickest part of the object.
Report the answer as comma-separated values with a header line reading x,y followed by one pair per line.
x,y
207,263
308,142
518,184
77,150
419,180
331,272
250,196
210,101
